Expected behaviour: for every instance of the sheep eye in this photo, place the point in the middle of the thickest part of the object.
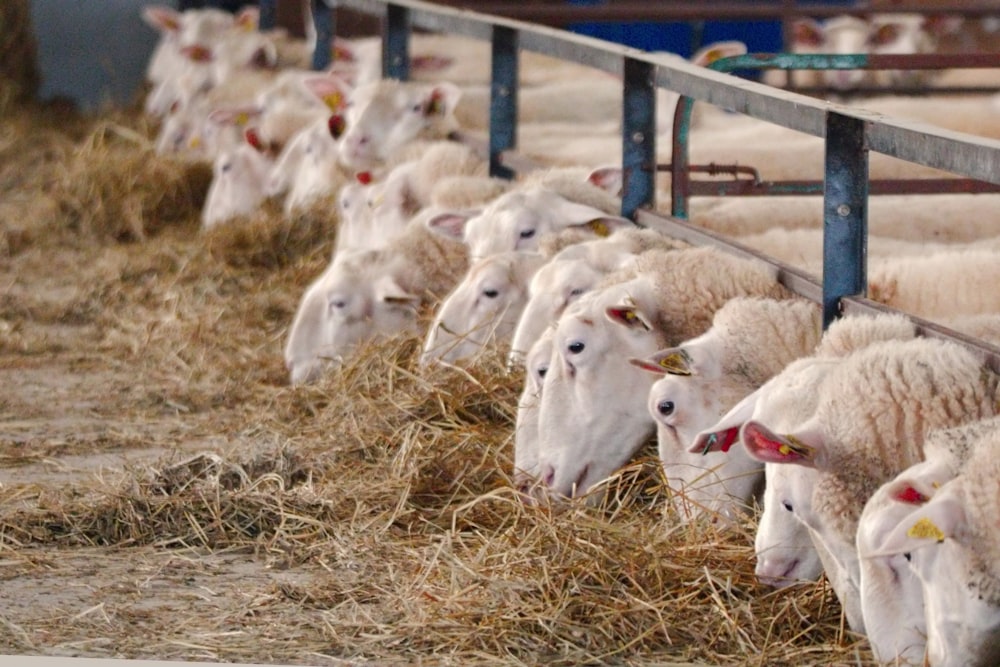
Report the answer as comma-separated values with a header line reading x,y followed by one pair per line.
x,y
527,233
542,370
338,304
226,167
908,557
787,505
577,291
416,108
665,408
576,347
490,293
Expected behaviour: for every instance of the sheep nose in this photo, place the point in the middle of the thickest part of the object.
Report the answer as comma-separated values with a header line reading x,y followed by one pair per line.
x,y
549,475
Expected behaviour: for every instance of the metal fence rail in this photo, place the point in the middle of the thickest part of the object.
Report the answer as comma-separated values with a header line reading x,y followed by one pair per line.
x,y
849,132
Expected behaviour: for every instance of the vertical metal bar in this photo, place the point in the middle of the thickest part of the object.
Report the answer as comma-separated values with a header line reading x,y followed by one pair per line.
x,y
680,160
503,98
396,43
267,18
325,27
638,136
845,213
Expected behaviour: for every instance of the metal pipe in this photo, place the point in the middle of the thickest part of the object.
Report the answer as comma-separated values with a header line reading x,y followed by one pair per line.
x,y
638,137
503,98
324,23
396,43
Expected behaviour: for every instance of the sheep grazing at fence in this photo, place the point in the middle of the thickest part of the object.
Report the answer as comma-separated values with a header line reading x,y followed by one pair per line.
x,y
750,341
239,177
896,392
366,295
526,438
891,592
938,521
483,310
593,416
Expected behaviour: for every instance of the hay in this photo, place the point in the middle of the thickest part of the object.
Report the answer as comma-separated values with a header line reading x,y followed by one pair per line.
x,y
368,518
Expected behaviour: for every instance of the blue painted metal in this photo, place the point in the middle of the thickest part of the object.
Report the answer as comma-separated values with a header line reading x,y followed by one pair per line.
x,y
503,98
638,137
845,213
268,14
396,43
325,25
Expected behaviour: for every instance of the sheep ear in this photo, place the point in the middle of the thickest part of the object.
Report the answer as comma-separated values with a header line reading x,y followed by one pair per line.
x,y
332,90
671,361
767,446
940,518
343,50
238,116
608,179
247,19
707,55
807,32
442,99
725,433
629,316
162,18
451,224
387,290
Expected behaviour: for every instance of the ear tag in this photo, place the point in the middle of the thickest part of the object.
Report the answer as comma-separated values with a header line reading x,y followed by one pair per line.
x,y
241,119
796,446
924,529
598,227
628,317
254,139
911,496
434,104
364,177
676,363
333,101
342,53
336,125
195,143
713,55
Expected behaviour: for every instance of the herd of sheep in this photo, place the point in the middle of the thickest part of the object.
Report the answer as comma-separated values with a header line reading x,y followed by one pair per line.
x,y
875,451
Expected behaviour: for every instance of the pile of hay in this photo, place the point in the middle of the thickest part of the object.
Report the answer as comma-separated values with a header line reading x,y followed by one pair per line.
x,y
385,488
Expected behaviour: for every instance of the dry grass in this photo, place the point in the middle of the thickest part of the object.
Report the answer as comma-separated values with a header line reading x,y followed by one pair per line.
x,y
372,511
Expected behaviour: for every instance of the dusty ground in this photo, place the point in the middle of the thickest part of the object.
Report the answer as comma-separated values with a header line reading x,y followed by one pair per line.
x,y
164,494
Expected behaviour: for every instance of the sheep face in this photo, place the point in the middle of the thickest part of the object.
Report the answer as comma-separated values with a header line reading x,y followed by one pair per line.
x,y
783,544
385,115
357,300
536,366
592,415
237,187
555,286
716,484
483,309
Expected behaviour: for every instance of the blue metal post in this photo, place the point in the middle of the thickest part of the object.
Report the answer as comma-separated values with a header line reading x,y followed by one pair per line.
x,y
845,213
503,98
396,43
638,137
268,14
325,25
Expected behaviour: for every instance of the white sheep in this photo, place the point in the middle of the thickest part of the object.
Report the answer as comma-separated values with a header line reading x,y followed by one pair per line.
x,y
575,270
366,295
894,393
238,181
950,541
483,309
891,592
593,415
526,444
385,115
750,341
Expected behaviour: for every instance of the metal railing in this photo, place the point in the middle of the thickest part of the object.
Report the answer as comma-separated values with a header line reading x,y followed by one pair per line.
x,y
849,133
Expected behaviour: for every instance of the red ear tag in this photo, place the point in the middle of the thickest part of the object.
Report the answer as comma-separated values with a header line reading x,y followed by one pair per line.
x,y
911,496
434,105
253,139
364,177
337,125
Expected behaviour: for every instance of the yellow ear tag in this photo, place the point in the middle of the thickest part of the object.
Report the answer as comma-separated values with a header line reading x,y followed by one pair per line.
x,y
333,101
795,445
599,228
713,55
924,529
241,119
195,142
676,363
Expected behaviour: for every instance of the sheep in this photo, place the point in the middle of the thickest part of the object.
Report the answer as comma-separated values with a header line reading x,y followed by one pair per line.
x,y
517,219
385,115
750,341
664,297
574,270
950,541
366,295
238,179
536,367
784,548
891,593
483,309
894,392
